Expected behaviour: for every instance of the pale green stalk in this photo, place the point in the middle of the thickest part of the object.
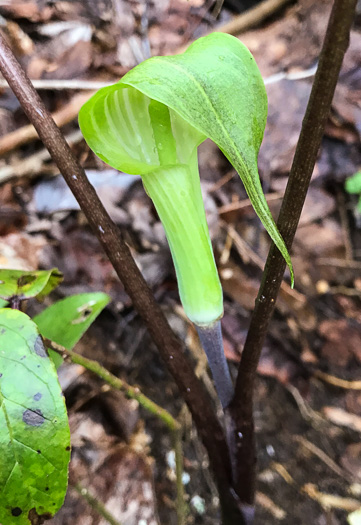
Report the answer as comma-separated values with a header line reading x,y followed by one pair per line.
x,y
176,194
96,504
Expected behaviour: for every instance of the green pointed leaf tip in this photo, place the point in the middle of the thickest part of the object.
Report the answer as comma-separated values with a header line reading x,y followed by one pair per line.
x,y
27,284
161,110
353,184
68,319
34,430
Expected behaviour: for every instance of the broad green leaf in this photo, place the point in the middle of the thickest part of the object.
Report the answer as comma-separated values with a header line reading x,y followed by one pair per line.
x,y
215,87
66,321
3,303
34,430
27,284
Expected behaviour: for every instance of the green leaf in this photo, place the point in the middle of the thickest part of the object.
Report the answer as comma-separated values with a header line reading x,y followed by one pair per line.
x,y
353,184
27,284
66,321
215,87
34,430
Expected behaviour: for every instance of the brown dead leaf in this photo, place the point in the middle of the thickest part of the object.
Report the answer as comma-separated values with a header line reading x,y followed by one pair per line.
x,y
321,240
353,402
293,41
21,251
230,350
237,285
351,459
274,363
67,55
281,134
343,341
318,204
32,10
243,289
117,475
12,216
349,307
346,101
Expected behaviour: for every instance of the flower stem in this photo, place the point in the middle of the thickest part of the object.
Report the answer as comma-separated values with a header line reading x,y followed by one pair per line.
x,y
176,193
212,342
116,383
96,504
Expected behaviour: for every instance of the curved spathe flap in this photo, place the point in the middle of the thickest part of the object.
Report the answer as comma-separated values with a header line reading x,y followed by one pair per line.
x,y
216,86
165,107
134,133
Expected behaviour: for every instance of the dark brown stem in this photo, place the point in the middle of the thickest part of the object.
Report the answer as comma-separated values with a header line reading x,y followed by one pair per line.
x,y
241,409
170,348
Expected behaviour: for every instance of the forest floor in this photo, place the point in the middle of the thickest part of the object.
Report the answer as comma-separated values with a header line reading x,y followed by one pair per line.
x,y
308,402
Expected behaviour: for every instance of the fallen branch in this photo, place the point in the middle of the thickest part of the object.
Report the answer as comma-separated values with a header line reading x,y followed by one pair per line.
x,y
28,133
34,164
252,17
114,381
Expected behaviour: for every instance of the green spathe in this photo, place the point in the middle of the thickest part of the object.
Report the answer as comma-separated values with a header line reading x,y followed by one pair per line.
x,y
176,194
154,119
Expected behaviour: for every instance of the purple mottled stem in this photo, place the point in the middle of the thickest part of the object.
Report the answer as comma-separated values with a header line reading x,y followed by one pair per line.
x,y
212,342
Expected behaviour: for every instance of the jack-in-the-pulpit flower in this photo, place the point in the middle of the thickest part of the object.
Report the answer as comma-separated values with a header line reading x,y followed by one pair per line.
x,y
151,123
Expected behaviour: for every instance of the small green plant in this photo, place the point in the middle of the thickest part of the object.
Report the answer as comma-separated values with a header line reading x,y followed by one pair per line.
x,y
151,123
231,453
353,185
34,430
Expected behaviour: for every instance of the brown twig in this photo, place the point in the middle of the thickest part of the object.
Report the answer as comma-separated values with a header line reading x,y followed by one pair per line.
x,y
252,17
33,165
247,20
245,203
170,348
241,409
28,133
